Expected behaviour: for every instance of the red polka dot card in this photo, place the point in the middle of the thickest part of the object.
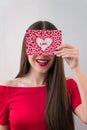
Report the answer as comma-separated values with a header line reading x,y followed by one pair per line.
x,y
42,42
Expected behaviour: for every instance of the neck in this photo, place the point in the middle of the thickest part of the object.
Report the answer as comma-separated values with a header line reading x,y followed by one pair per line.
x,y
35,78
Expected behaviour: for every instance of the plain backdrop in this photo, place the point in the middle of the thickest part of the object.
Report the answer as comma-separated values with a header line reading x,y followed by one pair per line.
x,y
16,16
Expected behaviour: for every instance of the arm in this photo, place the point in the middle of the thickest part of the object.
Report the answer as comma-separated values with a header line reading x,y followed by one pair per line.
x,y
81,110
4,127
71,56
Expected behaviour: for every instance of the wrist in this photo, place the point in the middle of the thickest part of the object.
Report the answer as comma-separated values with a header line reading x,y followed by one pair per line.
x,y
76,69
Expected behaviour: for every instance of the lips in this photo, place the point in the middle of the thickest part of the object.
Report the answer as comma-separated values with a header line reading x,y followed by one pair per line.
x,y
42,62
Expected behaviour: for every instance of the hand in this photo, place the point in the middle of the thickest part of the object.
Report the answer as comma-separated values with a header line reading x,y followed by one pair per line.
x,y
70,54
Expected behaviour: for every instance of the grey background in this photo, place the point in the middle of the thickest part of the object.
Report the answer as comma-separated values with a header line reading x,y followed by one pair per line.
x,y
16,15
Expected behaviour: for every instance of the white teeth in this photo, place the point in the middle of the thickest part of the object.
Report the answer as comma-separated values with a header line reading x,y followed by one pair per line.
x,y
42,61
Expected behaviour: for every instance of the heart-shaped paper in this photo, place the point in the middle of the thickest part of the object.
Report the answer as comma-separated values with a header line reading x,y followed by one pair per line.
x,y
43,43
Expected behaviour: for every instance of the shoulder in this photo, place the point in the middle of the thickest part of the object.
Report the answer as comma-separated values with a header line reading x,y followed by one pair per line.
x,y
71,82
10,82
72,85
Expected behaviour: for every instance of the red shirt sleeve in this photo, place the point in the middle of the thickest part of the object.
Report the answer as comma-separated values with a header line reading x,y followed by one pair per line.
x,y
4,111
74,93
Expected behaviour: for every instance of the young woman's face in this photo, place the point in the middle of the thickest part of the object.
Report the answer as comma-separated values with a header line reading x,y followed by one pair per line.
x,y
42,63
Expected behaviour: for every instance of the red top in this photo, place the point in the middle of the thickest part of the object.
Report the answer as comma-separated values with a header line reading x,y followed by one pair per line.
x,y
23,107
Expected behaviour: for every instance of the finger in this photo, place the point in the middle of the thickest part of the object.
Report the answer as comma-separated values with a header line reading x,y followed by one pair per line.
x,y
65,46
62,54
67,53
70,56
71,51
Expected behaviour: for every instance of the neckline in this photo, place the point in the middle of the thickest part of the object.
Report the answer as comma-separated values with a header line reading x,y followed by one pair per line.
x,y
34,87
31,87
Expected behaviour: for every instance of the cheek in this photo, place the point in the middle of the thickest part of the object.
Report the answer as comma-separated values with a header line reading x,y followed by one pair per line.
x,y
31,59
33,63
52,59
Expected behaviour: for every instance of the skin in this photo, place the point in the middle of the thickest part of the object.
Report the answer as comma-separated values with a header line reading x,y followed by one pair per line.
x,y
37,74
71,55
36,67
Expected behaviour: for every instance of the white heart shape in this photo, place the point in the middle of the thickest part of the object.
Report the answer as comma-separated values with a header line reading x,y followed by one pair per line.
x,y
44,43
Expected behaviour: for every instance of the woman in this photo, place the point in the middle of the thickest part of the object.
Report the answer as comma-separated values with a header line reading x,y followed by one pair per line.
x,y
42,98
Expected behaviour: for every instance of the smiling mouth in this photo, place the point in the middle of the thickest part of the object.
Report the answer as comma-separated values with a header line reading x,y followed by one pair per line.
x,y
42,62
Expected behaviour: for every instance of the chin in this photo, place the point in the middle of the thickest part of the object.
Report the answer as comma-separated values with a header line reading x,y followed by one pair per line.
x,y
42,71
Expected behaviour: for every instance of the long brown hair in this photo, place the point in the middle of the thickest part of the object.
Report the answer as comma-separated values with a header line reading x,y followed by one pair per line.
x,y
58,112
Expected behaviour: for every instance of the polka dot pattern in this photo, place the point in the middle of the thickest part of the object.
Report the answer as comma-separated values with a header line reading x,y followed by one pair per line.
x,y
42,42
